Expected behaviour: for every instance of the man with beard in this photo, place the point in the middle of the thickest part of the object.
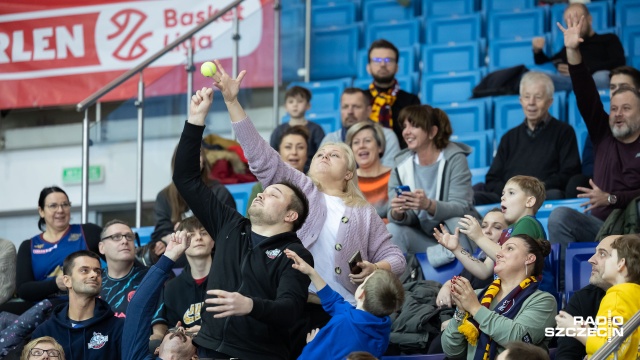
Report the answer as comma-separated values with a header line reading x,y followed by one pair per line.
x,y
387,99
585,302
85,327
252,289
616,140
355,108
123,273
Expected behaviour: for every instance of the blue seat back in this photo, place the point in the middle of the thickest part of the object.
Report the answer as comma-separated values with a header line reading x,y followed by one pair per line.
x,y
340,63
478,175
550,205
433,8
467,116
489,6
627,13
405,33
383,10
240,193
517,24
440,274
482,144
577,268
448,88
332,14
292,41
329,121
325,95
407,63
631,42
456,29
452,57
575,119
508,53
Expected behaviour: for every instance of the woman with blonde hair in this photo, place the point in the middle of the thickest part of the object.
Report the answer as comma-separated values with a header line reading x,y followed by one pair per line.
x,y
44,347
367,142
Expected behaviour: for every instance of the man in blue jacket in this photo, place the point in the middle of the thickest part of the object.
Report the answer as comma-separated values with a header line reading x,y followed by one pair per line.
x,y
85,327
176,344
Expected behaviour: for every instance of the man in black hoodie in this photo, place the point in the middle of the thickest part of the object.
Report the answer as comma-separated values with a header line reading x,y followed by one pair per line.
x,y
183,297
85,327
253,290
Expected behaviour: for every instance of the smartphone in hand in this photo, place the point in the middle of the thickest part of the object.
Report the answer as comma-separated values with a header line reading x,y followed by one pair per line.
x,y
401,188
353,263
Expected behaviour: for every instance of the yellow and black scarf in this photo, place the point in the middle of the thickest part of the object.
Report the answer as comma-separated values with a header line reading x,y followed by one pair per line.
x,y
508,307
382,103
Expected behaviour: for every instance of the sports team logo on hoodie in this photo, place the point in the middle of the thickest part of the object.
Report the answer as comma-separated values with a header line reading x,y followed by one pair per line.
x,y
97,341
272,254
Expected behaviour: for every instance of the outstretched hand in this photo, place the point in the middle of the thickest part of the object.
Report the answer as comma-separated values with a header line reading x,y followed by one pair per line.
x,y
178,243
200,104
228,86
597,197
572,38
299,263
449,241
470,226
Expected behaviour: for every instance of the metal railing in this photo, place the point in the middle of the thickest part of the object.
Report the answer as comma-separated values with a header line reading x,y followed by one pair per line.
x,y
628,329
93,98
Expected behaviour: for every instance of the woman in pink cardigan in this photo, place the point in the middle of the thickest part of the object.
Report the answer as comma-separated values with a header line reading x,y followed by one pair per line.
x,y
341,222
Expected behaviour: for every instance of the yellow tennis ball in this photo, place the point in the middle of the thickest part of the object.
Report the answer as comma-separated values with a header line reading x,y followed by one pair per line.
x,y
208,69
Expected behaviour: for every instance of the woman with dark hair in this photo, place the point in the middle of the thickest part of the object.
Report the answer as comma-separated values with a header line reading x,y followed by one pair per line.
x,y
39,263
438,178
171,209
510,309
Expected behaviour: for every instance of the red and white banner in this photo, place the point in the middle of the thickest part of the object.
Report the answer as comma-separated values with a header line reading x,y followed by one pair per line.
x,y
61,52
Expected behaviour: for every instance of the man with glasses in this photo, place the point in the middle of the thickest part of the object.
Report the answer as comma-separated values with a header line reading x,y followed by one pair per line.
x,y
123,273
387,97
85,326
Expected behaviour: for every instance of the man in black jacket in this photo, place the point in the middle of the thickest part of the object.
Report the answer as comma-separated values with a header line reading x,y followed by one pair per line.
x,y
253,290
603,52
541,146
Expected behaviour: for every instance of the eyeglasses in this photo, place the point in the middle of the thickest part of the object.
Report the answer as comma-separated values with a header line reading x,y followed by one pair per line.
x,y
175,330
380,61
39,352
54,206
118,237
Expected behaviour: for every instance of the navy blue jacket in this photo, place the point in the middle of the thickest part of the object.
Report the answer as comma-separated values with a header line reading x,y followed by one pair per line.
x,y
135,340
96,338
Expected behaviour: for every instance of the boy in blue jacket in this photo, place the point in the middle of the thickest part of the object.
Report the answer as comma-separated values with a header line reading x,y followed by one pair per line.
x,y
364,328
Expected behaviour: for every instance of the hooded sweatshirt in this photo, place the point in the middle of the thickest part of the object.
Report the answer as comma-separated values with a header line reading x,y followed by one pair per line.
x,y
95,338
349,330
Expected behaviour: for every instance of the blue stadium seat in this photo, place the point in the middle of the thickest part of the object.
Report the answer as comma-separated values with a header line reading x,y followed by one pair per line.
x,y
508,112
507,53
478,175
332,14
432,8
489,6
552,261
330,121
325,95
405,33
144,234
292,41
326,62
451,57
516,24
383,10
240,193
627,13
577,269
482,144
631,42
456,29
406,65
448,88
550,205
440,274
575,119
467,116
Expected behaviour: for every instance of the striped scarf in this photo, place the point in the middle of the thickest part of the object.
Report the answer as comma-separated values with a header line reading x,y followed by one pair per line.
x,y
508,307
382,103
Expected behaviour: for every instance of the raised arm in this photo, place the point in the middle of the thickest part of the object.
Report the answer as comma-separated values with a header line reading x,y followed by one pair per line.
x,y
475,266
471,227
